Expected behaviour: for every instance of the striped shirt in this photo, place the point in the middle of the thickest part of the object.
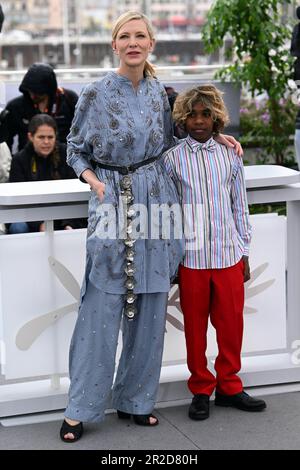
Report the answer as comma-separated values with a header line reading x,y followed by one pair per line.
x,y
211,184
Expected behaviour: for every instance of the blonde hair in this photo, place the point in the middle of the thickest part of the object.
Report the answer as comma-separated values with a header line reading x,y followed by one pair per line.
x,y
135,15
207,95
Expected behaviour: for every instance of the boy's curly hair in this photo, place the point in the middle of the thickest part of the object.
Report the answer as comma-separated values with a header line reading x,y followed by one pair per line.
x,y
210,97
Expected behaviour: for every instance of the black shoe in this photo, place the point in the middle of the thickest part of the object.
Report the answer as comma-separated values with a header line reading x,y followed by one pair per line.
x,y
76,430
241,400
141,420
199,408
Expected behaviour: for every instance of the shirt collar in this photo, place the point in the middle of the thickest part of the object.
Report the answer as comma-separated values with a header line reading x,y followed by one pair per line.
x,y
209,145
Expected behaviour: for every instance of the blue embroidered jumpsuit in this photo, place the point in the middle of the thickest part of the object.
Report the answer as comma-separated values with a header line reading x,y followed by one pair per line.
x,y
115,124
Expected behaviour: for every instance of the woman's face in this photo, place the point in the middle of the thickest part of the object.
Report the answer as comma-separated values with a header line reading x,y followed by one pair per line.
x,y
43,140
133,43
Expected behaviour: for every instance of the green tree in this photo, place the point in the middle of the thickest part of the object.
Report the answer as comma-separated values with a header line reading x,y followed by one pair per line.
x,y
259,54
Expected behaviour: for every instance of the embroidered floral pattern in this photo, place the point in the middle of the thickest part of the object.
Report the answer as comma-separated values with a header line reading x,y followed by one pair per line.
x,y
118,125
114,123
156,106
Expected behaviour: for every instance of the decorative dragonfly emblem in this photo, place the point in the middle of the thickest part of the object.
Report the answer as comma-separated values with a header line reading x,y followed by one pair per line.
x,y
31,330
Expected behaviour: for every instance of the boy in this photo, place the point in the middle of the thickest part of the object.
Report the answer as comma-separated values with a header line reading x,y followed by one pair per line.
x,y
210,180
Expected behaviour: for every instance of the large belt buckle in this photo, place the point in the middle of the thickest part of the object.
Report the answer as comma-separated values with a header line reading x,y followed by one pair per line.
x,y
125,170
126,182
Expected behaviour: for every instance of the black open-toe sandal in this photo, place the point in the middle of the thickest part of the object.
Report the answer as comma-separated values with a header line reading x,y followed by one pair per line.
x,y
144,420
141,420
76,430
123,415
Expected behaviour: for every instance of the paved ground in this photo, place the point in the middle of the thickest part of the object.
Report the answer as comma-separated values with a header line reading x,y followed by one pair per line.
x,y
278,427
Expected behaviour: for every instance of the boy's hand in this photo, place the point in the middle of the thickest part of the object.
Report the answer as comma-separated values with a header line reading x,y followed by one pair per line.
x,y
246,268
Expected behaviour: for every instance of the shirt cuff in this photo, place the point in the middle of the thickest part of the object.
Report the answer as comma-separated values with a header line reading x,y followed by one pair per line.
x,y
246,250
79,167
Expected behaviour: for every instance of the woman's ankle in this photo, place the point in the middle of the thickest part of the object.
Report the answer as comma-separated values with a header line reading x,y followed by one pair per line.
x,y
71,422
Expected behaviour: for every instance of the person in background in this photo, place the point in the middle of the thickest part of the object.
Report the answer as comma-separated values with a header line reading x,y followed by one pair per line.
x,y
1,18
172,95
43,158
5,163
295,47
210,181
121,127
40,94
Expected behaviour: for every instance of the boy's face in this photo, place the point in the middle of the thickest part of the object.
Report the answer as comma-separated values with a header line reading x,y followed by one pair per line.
x,y
199,123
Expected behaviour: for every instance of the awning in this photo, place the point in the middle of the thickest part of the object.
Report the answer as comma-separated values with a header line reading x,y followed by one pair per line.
x,y
178,20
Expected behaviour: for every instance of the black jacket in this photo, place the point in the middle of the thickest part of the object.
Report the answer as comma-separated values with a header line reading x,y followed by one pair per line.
x,y
26,165
14,119
1,18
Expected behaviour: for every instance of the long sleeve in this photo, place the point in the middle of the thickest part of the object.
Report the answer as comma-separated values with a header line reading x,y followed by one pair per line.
x,y
72,98
169,166
8,127
79,151
240,205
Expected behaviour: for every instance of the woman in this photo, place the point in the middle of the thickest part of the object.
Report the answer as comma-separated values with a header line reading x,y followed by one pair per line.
x,y
122,125
43,158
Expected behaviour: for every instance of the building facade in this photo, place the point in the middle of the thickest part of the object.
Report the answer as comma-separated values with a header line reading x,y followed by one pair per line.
x,y
50,16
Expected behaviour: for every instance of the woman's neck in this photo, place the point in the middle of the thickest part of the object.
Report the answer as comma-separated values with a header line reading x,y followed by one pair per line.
x,y
134,74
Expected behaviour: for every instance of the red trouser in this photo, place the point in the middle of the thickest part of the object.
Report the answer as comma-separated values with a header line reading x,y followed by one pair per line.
x,y
218,293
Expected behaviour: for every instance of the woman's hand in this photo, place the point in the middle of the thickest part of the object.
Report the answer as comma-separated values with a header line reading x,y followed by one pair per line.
x,y
230,141
99,189
95,184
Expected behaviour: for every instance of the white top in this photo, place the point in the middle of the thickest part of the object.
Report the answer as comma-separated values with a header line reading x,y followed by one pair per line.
x,y
61,191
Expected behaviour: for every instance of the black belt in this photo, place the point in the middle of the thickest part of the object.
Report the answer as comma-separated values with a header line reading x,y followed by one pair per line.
x,y
124,170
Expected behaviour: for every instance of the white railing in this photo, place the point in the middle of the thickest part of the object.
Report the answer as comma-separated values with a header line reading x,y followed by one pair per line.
x,y
171,71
